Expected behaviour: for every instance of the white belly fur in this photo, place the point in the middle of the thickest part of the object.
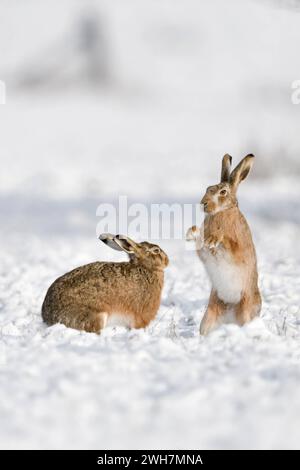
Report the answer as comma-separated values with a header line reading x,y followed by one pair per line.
x,y
119,319
226,277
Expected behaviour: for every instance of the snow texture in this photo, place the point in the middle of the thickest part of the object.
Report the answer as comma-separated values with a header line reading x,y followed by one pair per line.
x,y
156,135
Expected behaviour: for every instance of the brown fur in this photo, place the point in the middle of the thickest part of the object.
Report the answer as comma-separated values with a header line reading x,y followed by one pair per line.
x,y
86,297
225,232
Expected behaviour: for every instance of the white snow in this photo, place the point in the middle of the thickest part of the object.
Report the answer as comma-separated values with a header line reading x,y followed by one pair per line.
x,y
191,83
163,387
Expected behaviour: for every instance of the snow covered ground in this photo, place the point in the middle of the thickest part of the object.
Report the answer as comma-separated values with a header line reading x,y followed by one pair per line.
x,y
164,387
157,134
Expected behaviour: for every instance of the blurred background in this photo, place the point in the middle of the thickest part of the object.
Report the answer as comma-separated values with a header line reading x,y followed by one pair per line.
x,y
143,98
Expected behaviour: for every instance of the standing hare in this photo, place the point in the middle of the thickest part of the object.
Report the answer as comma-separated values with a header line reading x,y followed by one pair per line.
x,y
100,294
224,245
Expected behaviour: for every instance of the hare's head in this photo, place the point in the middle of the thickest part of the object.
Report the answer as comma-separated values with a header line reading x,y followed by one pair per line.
x,y
223,195
144,253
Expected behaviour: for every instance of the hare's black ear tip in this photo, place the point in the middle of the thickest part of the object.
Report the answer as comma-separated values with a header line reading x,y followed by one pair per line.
x,y
251,155
227,155
105,237
102,239
110,240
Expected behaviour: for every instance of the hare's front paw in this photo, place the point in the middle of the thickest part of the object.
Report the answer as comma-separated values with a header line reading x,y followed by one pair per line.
x,y
193,233
213,241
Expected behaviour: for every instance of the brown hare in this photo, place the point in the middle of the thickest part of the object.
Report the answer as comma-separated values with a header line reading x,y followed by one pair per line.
x,y
102,294
224,245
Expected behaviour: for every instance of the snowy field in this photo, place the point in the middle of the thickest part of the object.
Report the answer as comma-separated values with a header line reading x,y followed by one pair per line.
x,y
164,387
157,133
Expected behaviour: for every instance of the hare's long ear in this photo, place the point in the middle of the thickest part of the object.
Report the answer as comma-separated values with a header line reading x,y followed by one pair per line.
x,y
226,168
125,244
109,240
241,171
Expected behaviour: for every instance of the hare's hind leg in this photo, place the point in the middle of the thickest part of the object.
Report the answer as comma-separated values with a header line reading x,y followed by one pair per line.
x,y
86,319
248,308
96,322
216,308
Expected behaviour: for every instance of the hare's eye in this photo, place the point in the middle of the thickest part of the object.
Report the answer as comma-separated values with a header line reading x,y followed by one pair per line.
x,y
223,192
155,251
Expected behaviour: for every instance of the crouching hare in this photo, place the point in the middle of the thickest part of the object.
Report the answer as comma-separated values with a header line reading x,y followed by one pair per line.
x,y
103,294
224,245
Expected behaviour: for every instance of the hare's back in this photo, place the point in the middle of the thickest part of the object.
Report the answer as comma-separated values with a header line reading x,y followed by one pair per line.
x,y
90,275
78,275
84,287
